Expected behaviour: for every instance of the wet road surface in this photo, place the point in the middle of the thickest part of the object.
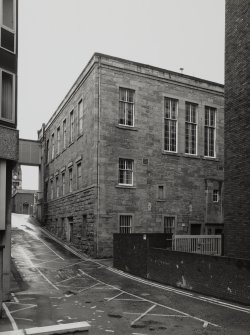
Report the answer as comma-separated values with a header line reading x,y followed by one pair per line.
x,y
59,287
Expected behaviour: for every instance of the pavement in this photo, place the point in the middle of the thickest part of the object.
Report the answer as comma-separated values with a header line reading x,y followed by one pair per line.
x,y
53,284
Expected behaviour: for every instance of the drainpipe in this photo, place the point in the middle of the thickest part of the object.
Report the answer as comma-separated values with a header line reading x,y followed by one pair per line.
x,y
98,150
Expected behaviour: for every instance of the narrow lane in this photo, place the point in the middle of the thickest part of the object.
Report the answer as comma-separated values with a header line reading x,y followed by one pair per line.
x,y
62,288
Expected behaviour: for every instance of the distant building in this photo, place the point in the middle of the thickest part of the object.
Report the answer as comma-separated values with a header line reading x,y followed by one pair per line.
x,y
8,132
237,129
133,148
16,178
23,201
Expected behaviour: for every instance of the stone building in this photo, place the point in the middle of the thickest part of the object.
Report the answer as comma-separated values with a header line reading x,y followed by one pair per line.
x,y
16,178
133,148
23,201
237,129
8,132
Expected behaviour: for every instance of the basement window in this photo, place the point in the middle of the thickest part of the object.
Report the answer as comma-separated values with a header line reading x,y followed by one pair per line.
x,y
125,223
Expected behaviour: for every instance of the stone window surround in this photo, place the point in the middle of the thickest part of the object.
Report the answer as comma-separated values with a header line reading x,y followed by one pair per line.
x,y
129,170
131,226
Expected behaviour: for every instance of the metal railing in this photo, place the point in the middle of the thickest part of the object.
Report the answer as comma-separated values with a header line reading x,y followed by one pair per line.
x,y
199,244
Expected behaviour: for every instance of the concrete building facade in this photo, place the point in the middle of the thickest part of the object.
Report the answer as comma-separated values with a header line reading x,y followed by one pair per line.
x,y
8,132
237,131
133,148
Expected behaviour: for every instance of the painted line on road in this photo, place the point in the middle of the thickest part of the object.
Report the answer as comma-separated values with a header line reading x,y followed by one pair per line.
x,y
142,315
174,290
38,238
165,287
117,295
22,309
12,321
14,297
59,282
52,260
87,288
47,279
150,301
168,315
33,265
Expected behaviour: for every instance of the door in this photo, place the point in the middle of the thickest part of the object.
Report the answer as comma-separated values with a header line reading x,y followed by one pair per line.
x,y
195,229
25,208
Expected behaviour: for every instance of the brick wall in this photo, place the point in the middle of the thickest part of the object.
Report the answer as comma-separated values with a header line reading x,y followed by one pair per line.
x,y
237,120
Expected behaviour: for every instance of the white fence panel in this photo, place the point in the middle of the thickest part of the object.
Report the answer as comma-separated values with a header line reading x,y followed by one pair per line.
x,y
200,244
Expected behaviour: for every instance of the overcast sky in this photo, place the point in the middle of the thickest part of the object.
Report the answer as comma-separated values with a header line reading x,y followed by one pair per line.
x,y
58,37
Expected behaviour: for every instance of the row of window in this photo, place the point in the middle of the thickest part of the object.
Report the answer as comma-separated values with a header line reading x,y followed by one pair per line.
x,y
127,118
58,186
59,140
8,25
7,96
125,177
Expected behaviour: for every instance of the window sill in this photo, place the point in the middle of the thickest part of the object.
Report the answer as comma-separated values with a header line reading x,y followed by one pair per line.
x,y
125,186
192,156
171,153
211,159
120,126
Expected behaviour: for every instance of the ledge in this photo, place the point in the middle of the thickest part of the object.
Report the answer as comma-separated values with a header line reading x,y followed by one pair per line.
x,y
124,186
126,127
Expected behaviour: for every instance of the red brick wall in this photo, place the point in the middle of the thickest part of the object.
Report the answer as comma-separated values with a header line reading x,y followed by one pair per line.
x,y
237,131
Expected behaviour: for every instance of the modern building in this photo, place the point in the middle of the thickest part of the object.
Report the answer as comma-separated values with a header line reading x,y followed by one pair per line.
x,y
133,148
237,129
8,131
23,201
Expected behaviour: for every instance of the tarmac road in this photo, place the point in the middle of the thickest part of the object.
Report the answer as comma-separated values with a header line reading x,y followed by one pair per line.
x,y
56,287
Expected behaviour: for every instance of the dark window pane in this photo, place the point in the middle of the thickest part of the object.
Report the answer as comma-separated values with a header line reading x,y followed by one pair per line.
x,y
7,40
7,96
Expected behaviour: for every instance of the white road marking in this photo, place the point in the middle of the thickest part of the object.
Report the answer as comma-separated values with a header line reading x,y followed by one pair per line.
x,y
77,276
52,260
12,321
109,299
139,300
87,288
163,287
22,309
24,320
150,301
14,297
47,279
33,265
142,315
213,301
168,315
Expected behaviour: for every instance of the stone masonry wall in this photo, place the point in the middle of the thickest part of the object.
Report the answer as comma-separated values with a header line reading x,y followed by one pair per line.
x,y
72,216
237,121
183,176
